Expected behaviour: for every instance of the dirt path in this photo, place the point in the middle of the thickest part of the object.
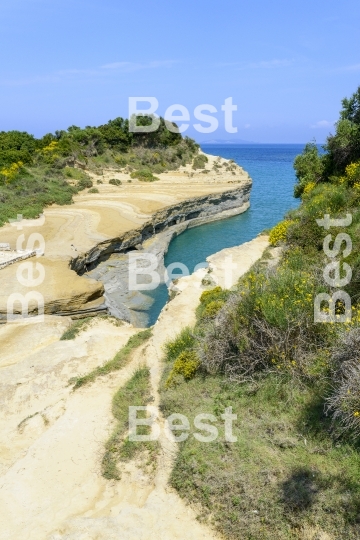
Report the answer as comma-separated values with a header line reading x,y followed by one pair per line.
x,y
50,486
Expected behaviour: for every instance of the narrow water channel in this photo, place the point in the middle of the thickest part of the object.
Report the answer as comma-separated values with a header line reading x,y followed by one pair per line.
x,y
271,168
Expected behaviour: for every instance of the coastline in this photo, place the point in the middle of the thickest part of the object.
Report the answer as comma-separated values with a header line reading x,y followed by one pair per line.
x,y
58,425
116,220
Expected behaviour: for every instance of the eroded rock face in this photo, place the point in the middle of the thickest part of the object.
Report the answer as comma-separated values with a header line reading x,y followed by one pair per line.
x,y
62,289
189,213
134,215
113,270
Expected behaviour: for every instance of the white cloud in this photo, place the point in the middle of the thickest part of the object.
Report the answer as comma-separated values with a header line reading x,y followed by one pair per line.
x,y
247,126
100,71
275,63
322,124
135,66
354,67
263,64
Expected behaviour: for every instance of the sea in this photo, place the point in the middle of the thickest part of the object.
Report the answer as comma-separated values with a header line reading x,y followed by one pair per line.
x,y
271,169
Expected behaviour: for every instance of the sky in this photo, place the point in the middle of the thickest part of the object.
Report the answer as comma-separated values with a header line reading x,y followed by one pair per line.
x,y
286,65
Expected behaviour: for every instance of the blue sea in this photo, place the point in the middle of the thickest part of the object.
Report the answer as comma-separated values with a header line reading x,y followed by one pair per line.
x,y
271,169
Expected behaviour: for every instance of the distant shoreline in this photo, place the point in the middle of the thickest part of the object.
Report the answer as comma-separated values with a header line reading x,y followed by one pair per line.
x,y
228,143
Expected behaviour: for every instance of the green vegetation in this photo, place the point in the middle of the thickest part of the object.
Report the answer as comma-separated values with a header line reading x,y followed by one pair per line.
x,y
144,176
118,362
75,328
137,392
199,161
93,190
35,173
115,182
293,383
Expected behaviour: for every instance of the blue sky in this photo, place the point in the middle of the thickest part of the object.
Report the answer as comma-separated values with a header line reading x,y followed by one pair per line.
x,y
287,65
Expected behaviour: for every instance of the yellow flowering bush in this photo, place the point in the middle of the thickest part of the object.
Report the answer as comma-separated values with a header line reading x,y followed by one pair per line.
x,y
185,340
50,147
186,364
212,308
309,187
208,296
11,172
49,152
352,175
278,233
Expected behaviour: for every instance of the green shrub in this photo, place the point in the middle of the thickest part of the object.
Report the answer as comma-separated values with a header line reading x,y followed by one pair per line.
x,y
144,176
344,400
120,160
278,233
199,161
309,167
84,183
185,340
93,190
211,302
115,182
75,174
212,308
186,364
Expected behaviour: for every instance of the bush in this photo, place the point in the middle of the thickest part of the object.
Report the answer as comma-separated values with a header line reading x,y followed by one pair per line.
x,y
278,233
199,162
212,308
76,174
184,341
10,173
211,302
121,161
308,167
144,176
115,182
186,364
84,183
344,402
93,190
352,175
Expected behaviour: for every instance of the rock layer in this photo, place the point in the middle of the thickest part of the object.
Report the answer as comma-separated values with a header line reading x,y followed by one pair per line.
x,y
115,220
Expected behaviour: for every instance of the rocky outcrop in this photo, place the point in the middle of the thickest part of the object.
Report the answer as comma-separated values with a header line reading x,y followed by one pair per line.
x,y
87,243
193,212
62,294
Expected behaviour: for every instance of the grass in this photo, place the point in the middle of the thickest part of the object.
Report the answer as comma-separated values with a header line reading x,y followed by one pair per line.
x,y
43,184
290,475
118,362
75,328
81,324
137,392
34,190
284,475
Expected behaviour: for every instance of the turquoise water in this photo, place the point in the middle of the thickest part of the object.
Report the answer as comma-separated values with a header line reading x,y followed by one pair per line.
x,y
271,168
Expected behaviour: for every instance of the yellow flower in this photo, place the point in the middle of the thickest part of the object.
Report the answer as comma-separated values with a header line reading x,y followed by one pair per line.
x,y
11,172
278,233
309,187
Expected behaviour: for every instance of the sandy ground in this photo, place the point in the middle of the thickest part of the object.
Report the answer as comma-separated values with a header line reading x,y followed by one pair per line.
x,y
52,439
72,230
95,217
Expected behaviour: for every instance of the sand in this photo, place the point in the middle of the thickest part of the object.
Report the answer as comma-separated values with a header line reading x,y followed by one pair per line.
x,y
52,439
71,231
